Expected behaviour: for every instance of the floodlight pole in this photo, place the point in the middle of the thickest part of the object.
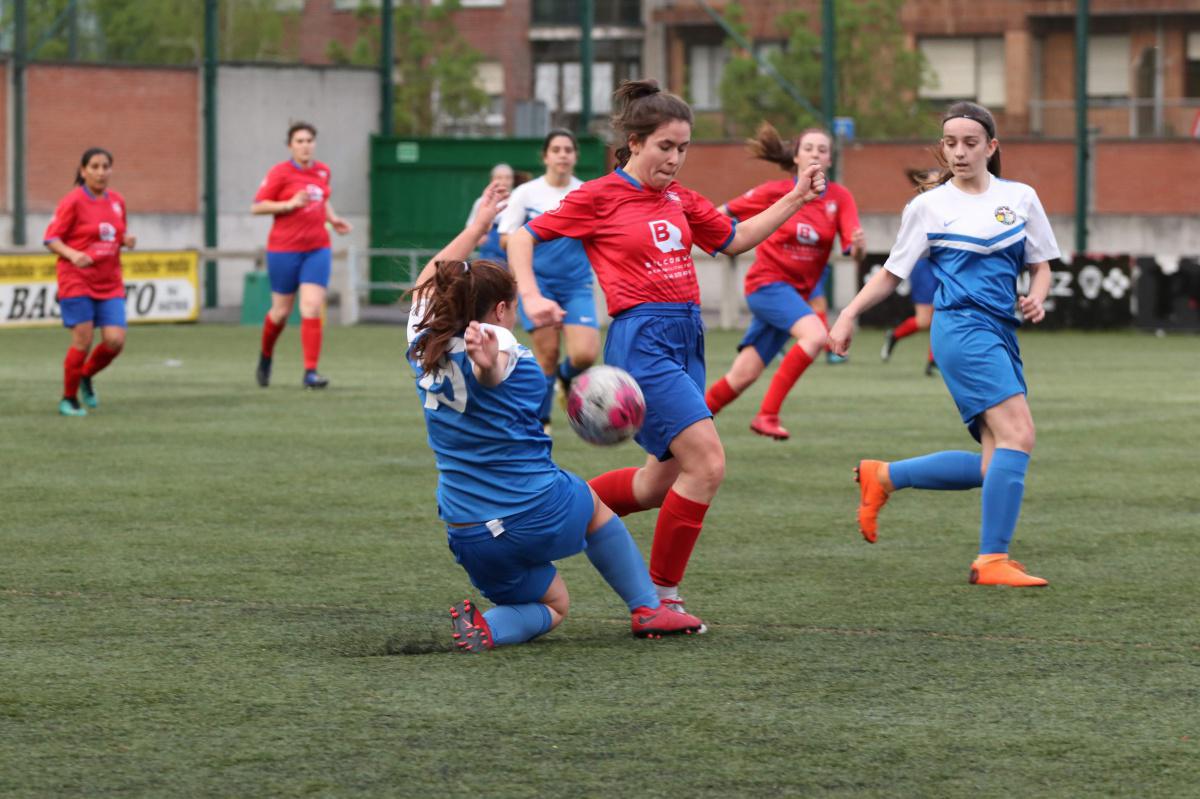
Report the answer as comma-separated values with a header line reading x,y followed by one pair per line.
x,y
587,13
387,59
1081,131
210,150
829,74
18,84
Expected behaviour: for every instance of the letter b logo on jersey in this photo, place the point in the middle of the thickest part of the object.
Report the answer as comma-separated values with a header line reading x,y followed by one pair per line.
x,y
667,237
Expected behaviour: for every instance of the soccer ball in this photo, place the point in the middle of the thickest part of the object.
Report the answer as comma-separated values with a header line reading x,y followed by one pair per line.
x,y
605,406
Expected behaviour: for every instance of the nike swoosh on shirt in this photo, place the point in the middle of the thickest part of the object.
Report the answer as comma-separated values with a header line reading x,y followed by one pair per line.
x,y
949,222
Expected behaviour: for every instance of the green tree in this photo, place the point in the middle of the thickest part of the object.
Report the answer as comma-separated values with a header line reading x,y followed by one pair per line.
x,y
435,67
878,78
157,31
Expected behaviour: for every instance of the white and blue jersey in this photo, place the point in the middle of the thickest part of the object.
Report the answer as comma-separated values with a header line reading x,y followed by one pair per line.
x,y
977,243
493,457
559,265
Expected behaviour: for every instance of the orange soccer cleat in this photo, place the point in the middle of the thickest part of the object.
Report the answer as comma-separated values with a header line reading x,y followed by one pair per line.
x,y
471,631
873,495
1003,571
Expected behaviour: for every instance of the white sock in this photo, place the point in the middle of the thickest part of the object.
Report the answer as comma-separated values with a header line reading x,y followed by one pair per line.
x,y
667,591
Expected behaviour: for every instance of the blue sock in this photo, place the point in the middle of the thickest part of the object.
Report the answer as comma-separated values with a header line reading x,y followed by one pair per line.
x,y
515,624
567,371
949,470
548,399
1003,488
612,551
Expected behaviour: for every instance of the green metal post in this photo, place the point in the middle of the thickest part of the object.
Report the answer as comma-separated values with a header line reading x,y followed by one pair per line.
x,y
210,149
829,99
587,14
73,30
1081,132
18,83
387,59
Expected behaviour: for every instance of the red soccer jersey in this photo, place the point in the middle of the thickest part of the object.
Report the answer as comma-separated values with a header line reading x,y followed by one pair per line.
x,y
303,229
96,226
797,252
638,240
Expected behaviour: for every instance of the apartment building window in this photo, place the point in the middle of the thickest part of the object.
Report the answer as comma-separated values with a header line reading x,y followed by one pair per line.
x,y
560,86
1192,77
1109,65
965,69
706,64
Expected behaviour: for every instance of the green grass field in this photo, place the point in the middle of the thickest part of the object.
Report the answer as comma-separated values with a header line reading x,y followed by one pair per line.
x,y
207,589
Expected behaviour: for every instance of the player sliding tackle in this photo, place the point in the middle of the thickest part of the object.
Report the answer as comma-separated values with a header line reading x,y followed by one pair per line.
x,y
509,510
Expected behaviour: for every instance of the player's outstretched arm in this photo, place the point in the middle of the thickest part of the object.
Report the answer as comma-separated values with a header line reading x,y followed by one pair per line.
x,y
882,284
461,247
539,309
749,234
483,348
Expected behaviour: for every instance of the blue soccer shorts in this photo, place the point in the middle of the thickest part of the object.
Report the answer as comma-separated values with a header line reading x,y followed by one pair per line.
x,y
776,308
288,270
662,346
979,359
102,313
510,560
819,289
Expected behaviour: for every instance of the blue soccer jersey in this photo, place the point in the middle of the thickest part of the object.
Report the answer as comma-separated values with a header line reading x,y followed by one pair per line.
x,y
977,243
493,457
559,264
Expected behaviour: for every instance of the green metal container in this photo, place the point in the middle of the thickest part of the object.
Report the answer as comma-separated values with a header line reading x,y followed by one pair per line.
x,y
256,300
422,190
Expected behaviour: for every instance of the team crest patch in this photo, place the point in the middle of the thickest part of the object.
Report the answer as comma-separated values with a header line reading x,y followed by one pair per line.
x,y
1004,215
831,208
672,196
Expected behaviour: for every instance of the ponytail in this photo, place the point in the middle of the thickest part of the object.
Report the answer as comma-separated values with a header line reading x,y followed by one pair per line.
x,y
458,293
767,146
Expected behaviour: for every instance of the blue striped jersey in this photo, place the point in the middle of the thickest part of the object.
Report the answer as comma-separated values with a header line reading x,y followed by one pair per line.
x,y
977,243
558,264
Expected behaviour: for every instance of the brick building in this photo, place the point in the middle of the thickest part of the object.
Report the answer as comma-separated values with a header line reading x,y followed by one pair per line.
x,y
1015,56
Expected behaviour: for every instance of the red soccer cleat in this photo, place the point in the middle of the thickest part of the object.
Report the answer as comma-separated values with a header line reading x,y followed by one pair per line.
x,y
471,631
767,424
664,620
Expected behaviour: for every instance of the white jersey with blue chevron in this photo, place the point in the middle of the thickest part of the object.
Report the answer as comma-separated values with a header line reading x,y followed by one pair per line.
x,y
493,457
560,263
978,243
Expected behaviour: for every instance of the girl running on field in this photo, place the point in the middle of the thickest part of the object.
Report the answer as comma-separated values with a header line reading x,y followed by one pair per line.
x,y
87,234
296,193
787,268
561,268
979,231
638,225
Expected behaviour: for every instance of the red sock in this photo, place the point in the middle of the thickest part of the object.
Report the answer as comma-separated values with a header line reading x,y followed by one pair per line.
x,y
310,340
102,356
794,364
675,534
719,395
72,371
615,490
824,317
905,328
270,334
